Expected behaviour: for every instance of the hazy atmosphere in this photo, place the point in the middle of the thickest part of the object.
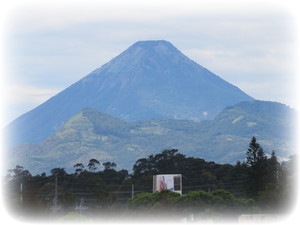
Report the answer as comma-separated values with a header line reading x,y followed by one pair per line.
x,y
159,111
49,46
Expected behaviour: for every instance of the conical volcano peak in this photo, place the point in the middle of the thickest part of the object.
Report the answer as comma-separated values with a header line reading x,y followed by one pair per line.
x,y
153,44
149,80
153,55
155,47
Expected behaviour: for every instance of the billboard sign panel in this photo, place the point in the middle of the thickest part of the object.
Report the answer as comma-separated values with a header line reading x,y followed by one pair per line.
x,y
170,182
166,182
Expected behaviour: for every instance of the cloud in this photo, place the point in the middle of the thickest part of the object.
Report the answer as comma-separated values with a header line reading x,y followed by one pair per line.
x,y
58,15
31,16
265,76
266,60
22,98
17,94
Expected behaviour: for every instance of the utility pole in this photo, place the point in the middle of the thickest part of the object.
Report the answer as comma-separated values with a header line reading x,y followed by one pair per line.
x,y
55,197
132,190
21,193
81,206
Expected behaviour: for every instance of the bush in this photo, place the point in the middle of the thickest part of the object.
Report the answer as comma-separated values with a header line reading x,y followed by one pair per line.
x,y
157,200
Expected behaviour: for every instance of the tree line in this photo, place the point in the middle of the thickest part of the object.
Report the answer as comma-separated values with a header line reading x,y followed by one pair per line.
x,y
260,184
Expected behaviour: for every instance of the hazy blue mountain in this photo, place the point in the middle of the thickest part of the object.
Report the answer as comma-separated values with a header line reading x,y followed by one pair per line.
x,y
93,134
149,80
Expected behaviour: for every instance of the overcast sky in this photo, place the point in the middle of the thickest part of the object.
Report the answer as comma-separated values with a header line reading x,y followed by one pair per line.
x,y
49,45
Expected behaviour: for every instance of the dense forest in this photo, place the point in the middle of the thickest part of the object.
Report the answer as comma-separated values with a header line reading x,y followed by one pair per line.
x,y
260,184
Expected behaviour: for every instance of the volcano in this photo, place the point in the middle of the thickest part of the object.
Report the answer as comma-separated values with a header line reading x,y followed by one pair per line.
x,y
149,80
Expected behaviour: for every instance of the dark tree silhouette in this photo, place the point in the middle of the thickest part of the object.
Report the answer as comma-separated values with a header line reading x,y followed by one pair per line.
x,y
109,165
79,168
258,169
93,165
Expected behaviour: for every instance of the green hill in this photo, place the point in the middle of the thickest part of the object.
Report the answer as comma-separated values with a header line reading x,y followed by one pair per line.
x,y
93,134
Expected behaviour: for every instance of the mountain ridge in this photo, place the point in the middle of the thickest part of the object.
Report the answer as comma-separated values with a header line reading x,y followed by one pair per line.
x,y
93,134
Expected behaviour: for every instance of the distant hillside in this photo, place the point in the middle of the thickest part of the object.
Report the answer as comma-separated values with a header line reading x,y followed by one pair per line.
x,y
92,134
149,80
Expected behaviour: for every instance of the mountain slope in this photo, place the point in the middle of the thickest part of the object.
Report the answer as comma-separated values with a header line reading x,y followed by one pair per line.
x,y
149,80
92,134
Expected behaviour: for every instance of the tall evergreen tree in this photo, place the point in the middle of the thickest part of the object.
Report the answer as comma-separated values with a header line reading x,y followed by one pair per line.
x,y
273,169
258,169
255,153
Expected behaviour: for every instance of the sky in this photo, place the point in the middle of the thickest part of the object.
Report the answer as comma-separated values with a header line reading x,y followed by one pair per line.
x,y
48,45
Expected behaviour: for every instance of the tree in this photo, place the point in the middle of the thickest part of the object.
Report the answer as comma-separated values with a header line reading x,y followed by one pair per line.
x,y
93,164
287,184
18,177
60,172
209,179
195,201
104,198
258,169
163,200
68,200
142,167
79,168
109,165
169,161
273,169
142,201
255,153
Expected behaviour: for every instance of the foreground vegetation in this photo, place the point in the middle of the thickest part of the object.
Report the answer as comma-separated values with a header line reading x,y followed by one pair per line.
x,y
260,184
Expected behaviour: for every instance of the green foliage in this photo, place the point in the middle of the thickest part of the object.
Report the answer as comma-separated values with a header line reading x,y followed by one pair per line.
x,y
68,200
168,161
255,154
142,201
163,200
60,172
195,200
109,165
196,172
209,189
262,171
219,202
73,217
104,198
